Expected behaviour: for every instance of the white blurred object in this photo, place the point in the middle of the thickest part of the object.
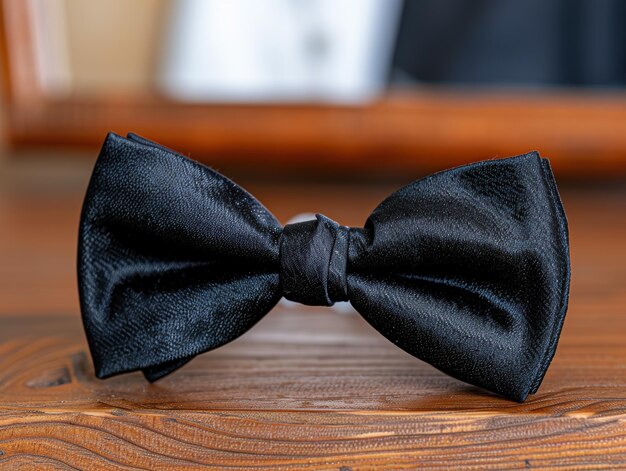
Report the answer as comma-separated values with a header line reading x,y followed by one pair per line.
x,y
269,50
50,45
341,307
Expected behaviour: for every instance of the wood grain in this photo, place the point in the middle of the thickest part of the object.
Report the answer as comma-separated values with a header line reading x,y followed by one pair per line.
x,y
307,387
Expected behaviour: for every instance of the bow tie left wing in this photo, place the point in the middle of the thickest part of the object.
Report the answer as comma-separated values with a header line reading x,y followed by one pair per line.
x,y
468,269
174,259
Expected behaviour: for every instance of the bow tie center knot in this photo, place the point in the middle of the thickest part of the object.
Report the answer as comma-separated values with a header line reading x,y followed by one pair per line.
x,y
313,261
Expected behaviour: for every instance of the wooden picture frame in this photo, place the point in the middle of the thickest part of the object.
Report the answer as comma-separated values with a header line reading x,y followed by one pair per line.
x,y
417,131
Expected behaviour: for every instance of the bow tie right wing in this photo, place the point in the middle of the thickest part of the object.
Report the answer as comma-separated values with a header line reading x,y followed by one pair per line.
x,y
468,269
174,259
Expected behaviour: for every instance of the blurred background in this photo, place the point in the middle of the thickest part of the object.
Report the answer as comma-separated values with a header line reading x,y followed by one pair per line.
x,y
312,105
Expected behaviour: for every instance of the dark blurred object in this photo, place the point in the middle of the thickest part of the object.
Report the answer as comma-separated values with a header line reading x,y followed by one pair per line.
x,y
534,42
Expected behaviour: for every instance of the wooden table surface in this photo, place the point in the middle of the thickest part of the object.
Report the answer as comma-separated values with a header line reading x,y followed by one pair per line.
x,y
307,387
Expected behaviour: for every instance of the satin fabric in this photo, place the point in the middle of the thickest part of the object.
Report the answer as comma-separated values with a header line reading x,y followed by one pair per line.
x,y
467,269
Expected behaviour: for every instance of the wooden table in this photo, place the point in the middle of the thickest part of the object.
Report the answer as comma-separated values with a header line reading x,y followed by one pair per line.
x,y
307,387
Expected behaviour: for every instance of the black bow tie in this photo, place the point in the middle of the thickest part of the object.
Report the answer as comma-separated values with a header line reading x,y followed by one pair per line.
x,y
467,269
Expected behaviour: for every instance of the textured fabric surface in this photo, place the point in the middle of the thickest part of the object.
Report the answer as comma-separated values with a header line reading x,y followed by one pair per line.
x,y
467,269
